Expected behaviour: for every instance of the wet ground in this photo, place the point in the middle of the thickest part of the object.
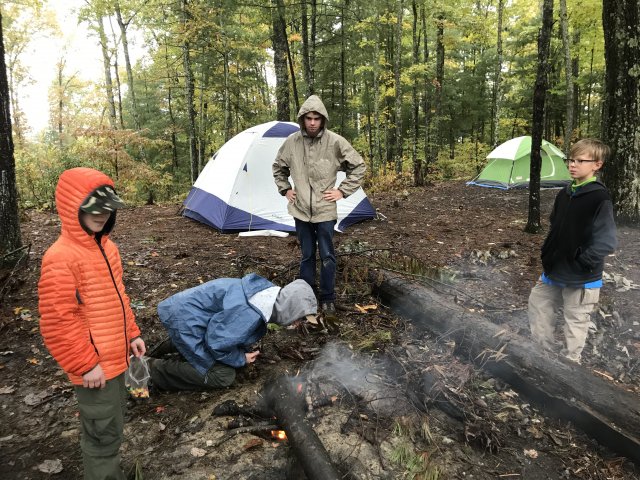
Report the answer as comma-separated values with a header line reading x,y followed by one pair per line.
x,y
468,242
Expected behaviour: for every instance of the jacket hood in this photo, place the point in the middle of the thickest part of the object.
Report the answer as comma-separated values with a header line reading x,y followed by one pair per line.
x,y
586,188
74,186
313,104
294,301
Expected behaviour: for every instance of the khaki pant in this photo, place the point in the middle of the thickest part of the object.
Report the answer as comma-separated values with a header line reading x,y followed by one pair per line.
x,y
578,303
102,423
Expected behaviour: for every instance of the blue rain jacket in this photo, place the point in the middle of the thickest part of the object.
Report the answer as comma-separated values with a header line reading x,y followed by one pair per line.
x,y
214,322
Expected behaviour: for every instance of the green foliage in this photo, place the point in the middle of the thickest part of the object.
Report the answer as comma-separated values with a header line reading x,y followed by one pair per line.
x,y
37,170
416,465
468,161
228,44
374,341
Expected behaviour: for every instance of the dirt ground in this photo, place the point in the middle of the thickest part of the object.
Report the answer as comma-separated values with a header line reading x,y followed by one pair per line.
x,y
469,238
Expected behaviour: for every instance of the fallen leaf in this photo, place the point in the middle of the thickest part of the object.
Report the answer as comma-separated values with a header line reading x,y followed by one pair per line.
x,y
531,453
198,452
35,398
155,254
366,308
7,390
51,466
33,361
253,443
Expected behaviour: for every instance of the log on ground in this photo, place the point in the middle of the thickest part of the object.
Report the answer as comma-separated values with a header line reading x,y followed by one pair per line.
x,y
288,407
562,389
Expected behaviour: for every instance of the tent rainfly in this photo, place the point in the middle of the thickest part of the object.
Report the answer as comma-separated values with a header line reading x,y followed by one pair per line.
x,y
236,192
509,165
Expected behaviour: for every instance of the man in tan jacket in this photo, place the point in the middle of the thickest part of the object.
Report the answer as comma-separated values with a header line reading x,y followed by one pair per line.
x,y
312,158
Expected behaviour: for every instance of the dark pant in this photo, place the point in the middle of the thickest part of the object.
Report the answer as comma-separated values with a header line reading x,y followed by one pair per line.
x,y
320,234
180,375
102,424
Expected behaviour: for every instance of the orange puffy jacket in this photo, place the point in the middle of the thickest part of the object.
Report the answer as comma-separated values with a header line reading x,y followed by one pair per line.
x,y
86,317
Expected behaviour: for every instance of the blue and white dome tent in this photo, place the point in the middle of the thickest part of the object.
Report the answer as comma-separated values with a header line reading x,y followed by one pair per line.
x,y
236,192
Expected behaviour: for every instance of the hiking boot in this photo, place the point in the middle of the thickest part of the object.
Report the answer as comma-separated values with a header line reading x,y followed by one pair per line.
x,y
328,310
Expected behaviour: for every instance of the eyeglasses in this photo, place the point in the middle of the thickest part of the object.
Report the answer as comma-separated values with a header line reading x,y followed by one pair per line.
x,y
577,161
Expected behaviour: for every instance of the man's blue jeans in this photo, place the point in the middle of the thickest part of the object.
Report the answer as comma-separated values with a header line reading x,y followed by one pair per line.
x,y
320,234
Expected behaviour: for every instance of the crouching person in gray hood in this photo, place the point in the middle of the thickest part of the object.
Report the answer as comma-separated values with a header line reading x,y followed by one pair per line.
x,y
214,325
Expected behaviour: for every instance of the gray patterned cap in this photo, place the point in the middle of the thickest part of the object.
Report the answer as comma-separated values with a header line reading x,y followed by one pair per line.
x,y
102,200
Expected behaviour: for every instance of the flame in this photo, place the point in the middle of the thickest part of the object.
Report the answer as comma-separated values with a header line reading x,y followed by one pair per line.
x,y
279,434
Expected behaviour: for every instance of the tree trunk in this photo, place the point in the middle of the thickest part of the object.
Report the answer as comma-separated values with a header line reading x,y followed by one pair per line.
x,y
127,61
15,107
106,62
568,73
226,91
343,65
621,118
561,388
415,107
306,61
203,120
575,73
189,94
10,238
539,94
292,73
397,69
376,107
426,107
436,142
495,96
116,73
589,90
279,40
60,66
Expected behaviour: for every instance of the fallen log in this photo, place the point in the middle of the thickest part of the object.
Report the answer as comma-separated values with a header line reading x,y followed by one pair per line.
x,y
283,402
288,404
562,389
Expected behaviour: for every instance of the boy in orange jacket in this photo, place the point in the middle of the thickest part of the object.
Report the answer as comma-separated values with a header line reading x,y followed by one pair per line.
x,y
86,319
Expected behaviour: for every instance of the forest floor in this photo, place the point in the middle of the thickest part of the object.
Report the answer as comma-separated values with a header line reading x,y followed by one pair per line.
x,y
469,238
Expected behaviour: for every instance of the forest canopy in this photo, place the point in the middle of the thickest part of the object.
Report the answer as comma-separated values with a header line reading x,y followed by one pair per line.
x,y
424,90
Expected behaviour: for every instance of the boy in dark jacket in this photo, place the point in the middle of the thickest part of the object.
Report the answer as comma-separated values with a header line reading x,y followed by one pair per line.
x,y
581,235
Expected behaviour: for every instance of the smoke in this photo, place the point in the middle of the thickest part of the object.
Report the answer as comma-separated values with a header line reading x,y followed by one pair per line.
x,y
372,380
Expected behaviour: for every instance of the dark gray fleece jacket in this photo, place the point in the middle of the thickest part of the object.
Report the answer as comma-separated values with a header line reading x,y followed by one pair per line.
x,y
582,234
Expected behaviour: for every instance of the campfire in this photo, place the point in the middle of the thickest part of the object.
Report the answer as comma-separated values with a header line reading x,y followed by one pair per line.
x,y
281,415
279,434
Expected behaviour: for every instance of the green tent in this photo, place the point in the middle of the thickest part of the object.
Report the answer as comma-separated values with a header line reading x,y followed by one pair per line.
x,y
508,166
